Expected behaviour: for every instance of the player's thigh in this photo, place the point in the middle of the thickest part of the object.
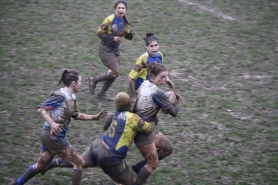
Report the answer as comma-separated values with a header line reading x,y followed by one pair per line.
x,y
162,142
44,160
72,156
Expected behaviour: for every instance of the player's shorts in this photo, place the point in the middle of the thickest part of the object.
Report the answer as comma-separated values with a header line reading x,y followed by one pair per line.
x,y
52,143
108,56
110,162
144,139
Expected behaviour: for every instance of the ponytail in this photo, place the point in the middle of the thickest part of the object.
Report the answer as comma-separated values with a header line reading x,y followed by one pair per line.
x,y
68,77
150,38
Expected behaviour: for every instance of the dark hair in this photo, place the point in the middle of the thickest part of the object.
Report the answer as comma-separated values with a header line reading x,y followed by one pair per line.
x,y
68,77
123,2
157,68
150,38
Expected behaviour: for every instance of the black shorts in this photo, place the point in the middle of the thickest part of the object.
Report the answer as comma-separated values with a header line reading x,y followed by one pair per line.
x,y
52,143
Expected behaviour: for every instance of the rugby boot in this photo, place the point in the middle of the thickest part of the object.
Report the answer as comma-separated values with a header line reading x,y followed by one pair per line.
x,y
92,85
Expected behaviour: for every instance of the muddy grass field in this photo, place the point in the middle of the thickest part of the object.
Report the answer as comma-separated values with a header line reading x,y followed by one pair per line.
x,y
222,56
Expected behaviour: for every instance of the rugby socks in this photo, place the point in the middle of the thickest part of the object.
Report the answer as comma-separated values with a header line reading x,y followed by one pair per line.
x,y
60,163
142,176
106,86
76,176
137,167
27,175
103,77
57,163
109,79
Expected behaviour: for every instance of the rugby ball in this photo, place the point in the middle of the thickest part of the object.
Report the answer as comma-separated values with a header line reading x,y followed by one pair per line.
x,y
172,97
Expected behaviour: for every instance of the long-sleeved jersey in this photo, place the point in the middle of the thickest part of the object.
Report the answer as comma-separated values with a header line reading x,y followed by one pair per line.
x,y
140,74
113,26
150,98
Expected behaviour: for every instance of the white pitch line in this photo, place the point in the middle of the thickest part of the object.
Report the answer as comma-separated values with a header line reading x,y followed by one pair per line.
x,y
217,13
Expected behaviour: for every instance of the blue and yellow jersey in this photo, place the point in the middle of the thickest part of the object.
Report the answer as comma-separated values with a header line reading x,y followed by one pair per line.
x,y
122,131
113,26
140,74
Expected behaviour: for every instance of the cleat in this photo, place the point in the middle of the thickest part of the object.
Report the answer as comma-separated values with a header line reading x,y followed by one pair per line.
x,y
92,85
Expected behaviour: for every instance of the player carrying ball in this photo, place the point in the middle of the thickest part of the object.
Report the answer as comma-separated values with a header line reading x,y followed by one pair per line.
x,y
109,150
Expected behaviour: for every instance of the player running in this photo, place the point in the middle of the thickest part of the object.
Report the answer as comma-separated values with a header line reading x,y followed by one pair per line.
x,y
109,150
57,112
150,99
140,71
113,28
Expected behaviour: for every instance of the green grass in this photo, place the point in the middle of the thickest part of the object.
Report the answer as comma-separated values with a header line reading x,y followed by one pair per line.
x,y
226,131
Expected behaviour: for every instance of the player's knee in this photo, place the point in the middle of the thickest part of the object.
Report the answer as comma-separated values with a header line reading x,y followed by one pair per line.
x,y
79,163
169,150
116,74
41,167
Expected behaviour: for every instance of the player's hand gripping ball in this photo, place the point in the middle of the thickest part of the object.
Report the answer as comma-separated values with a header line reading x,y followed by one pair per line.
x,y
172,98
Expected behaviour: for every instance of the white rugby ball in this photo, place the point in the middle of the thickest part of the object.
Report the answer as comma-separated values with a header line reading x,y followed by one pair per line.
x,y
172,97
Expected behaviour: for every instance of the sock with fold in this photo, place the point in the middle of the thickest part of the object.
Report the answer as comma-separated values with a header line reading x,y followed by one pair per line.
x,y
76,176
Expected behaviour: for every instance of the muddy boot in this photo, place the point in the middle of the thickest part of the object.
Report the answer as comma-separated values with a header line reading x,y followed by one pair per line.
x,y
92,85
103,77
76,176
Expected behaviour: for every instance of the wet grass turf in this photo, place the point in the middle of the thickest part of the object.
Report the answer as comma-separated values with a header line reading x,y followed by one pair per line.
x,y
226,70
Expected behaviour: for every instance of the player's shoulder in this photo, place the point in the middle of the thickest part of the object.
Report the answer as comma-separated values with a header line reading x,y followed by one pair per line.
x,y
109,18
144,55
131,116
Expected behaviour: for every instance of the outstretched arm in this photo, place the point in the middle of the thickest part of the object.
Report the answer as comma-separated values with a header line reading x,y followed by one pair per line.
x,y
83,116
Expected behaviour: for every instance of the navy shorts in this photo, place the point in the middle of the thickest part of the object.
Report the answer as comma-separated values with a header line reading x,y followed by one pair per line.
x,y
110,162
52,143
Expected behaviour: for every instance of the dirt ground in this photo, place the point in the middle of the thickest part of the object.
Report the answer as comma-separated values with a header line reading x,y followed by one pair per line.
x,y
221,55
